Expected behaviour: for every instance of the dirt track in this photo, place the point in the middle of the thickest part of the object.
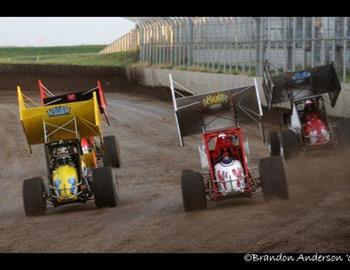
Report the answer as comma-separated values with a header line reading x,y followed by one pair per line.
x,y
150,217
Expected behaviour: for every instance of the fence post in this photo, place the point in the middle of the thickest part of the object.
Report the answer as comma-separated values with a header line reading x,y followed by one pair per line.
x,y
294,42
250,47
257,46
285,49
304,42
190,43
313,42
237,46
334,39
344,48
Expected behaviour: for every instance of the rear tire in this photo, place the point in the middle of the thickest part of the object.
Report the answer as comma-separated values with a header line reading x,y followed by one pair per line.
x,y
273,178
289,143
105,187
34,196
193,191
111,152
274,144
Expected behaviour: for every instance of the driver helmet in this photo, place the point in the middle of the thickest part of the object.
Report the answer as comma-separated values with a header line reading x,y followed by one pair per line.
x,y
64,160
62,151
309,109
309,105
222,137
227,158
63,156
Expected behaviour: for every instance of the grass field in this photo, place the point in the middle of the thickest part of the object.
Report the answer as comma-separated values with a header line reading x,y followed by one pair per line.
x,y
8,52
87,55
68,55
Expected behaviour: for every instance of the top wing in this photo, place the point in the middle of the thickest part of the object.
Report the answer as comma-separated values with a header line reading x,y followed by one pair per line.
x,y
308,82
47,98
67,121
218,109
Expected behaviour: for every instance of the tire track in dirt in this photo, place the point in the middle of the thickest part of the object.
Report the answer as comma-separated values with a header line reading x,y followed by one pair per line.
x,y
150,217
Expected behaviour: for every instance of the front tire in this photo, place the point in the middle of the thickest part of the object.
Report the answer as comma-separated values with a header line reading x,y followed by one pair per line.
x,y
274,144
111,152
34,196
289,143
193,191
105,187
273,178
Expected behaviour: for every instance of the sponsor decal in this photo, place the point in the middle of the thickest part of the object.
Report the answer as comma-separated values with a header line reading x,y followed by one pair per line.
x,y
58,111
238,172
221,177
215,99
302,75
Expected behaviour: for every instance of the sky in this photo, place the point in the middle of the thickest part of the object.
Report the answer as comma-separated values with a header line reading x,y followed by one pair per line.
x,y
52,31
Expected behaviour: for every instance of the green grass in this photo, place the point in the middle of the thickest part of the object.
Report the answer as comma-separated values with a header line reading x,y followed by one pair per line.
x,y
66,55
11,52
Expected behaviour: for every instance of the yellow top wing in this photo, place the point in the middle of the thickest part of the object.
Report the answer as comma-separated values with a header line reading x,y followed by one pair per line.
x,y
66,121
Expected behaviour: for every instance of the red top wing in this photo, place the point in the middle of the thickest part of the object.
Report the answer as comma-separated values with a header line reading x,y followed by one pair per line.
x,y
102,96
103,102
42,92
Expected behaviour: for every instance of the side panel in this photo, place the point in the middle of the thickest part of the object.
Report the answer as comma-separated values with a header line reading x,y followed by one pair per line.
x,y
42,92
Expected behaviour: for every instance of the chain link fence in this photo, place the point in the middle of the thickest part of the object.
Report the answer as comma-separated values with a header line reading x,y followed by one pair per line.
x,y
240,45
128,42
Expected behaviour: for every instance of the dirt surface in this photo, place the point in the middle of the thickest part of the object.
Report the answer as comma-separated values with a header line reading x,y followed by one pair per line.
x,y
150,217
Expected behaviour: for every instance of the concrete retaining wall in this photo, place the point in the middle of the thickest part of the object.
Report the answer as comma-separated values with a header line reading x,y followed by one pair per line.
x,y
57,77
200,82
62,77
60,70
